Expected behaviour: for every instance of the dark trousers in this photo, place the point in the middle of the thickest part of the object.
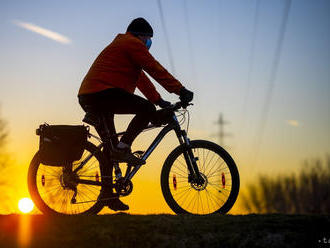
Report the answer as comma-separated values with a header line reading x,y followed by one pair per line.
x,y
117,101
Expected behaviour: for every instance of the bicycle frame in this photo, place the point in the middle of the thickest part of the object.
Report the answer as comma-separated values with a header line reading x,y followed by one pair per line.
x,y
174,125
183,140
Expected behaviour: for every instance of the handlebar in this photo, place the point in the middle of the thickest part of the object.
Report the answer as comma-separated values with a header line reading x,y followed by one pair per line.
x,y
164,115
179,105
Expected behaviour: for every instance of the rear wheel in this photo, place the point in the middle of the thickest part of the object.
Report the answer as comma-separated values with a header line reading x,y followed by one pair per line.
x,y
52,188
218,190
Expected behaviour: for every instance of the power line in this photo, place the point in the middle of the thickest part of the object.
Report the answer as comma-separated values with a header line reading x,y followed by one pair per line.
x,y
251,62
220,12
194,73
278,51
191,54
169,50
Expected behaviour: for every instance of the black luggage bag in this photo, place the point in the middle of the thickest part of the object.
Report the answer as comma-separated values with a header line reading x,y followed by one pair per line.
x,y
61,144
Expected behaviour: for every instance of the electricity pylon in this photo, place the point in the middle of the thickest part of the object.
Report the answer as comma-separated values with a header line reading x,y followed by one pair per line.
x,y
221,134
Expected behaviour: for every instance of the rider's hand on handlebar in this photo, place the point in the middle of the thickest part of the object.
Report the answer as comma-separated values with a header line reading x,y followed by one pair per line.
x,y
162,103
186,96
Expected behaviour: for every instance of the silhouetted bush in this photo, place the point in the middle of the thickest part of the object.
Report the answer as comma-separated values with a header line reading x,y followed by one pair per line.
x,y
308,191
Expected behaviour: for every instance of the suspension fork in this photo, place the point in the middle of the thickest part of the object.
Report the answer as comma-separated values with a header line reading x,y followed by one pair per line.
x,y
191,160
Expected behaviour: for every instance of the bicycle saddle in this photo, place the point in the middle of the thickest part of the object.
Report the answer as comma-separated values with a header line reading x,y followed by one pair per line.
x,y
91,119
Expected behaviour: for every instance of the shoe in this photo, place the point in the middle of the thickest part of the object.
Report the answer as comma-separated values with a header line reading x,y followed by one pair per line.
x,y
125,155
117,205
112,201
106,196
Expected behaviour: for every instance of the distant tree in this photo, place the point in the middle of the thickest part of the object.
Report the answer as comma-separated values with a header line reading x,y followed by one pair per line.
x,y
3,134
3,140
306,192
4,162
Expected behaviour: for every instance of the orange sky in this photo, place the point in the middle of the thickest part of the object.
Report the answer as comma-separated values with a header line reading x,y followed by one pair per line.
x,y
47,48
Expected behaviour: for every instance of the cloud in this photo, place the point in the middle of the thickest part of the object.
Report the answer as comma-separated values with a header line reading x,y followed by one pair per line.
x,y
44,32
293,123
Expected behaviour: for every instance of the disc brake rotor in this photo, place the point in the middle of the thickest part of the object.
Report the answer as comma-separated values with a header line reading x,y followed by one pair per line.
x,y
198,184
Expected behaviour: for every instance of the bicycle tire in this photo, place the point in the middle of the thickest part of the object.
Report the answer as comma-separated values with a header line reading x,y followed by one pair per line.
x,y
43,201
168,189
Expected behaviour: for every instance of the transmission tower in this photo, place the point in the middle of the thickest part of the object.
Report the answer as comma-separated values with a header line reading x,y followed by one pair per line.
x,y
221,134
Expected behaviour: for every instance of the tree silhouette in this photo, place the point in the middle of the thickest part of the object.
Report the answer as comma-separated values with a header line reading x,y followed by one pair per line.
x,y
3,140
6,196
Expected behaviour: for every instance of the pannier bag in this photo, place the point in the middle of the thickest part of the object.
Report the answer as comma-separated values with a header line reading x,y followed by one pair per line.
x,y
61,144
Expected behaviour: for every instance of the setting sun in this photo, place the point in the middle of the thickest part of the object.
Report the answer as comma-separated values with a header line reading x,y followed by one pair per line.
x,y
25,205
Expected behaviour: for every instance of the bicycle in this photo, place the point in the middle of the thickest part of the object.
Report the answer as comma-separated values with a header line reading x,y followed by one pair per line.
x,y
198,177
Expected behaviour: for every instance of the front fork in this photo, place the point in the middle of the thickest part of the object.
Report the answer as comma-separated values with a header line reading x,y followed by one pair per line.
x,y
191,160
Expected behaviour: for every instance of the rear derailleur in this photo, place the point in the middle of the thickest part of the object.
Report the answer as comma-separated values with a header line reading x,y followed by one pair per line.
x,y
68,180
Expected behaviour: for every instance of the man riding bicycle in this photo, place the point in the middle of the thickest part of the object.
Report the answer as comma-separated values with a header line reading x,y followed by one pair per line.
x,y
111,81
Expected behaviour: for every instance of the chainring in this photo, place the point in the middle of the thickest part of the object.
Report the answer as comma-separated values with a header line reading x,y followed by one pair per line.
x,y
122,187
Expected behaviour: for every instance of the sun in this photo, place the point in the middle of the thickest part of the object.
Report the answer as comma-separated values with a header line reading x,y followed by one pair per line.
x,y
25,205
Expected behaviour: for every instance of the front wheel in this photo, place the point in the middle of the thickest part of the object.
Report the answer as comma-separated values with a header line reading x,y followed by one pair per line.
x,y
219,190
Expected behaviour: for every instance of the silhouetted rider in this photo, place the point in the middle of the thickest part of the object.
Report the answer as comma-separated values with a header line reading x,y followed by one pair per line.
x,y
112,79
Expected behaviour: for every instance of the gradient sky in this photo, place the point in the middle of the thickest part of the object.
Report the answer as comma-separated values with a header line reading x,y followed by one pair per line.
x,y
211,45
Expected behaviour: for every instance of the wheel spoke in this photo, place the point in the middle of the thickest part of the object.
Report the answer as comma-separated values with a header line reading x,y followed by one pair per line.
x,y
187,196
215,165
219,170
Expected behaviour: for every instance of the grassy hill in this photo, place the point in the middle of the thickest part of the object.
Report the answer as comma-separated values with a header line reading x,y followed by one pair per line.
x,y
122,230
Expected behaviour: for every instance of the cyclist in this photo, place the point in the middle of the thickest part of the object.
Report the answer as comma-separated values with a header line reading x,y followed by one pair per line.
x,y
111,81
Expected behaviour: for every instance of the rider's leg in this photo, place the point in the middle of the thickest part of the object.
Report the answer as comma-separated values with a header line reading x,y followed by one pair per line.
x,y
119,101
107,194
111,200
144,114
144,110
101,130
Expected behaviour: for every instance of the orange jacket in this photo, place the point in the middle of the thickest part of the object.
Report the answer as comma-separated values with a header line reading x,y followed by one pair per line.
x,y
121,65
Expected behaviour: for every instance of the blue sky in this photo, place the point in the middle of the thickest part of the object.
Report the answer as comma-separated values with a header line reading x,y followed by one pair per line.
x,y
40,77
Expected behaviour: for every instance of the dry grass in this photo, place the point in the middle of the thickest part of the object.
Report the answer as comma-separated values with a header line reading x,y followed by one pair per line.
x,y
308,191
